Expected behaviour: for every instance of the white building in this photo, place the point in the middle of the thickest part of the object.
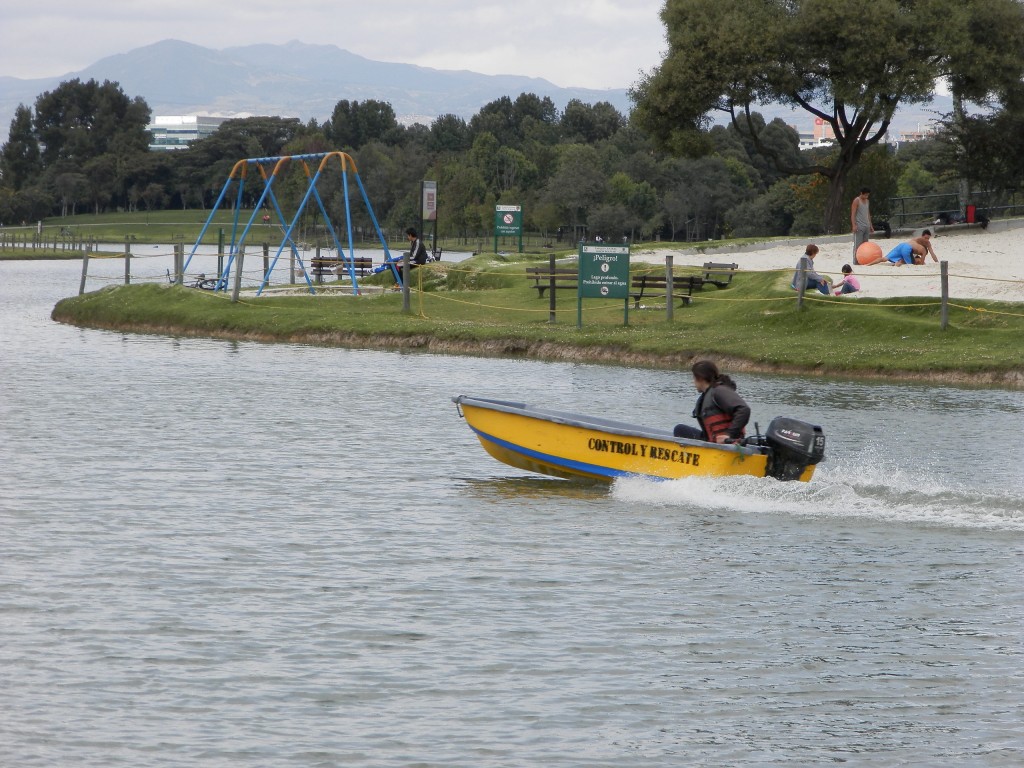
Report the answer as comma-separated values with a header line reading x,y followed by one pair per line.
x,y
820,136
170,132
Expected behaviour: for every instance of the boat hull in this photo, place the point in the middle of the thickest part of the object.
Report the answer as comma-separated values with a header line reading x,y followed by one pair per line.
x,y
570,445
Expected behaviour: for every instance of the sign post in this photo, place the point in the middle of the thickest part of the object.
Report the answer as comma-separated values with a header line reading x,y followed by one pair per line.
x,y
428,211
508,222
604,274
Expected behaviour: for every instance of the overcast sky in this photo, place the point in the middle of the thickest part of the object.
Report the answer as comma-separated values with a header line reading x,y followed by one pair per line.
x,y
584,43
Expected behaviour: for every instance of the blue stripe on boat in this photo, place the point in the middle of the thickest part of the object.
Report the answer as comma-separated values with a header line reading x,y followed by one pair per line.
x,y
579,466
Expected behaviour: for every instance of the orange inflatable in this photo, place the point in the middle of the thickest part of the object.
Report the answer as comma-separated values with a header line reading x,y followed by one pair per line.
x,y
869,253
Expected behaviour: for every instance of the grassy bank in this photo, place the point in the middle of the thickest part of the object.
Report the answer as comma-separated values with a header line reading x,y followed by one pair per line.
x,y
479,308
161,227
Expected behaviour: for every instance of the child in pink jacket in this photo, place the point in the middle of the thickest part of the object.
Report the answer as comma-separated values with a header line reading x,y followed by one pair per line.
x,y
849,283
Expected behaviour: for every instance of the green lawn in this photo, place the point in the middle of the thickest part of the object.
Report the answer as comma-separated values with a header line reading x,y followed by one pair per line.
x,y
480,307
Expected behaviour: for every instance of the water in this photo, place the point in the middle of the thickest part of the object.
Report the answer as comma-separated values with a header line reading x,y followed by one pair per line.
x,y
235,554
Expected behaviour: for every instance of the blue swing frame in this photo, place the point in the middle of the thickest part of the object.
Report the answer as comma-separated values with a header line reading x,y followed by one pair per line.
x,y
239,174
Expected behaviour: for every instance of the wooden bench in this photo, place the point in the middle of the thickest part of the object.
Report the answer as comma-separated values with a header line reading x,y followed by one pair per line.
x,y
719,275
655,287
333,265
564,277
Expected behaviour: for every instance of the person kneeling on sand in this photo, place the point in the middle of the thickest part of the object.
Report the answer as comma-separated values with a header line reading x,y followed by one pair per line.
x,y
849,283
909,252
925,241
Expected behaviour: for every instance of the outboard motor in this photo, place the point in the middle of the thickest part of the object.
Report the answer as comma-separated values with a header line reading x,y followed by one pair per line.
x,y
794,446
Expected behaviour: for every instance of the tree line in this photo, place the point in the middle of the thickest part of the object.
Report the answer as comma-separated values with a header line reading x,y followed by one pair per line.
x,y
663,171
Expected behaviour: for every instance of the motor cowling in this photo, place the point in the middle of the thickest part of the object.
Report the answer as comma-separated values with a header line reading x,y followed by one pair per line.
x,y
793,446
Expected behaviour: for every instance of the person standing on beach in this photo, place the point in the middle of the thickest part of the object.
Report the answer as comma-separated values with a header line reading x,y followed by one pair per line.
x,y
860,219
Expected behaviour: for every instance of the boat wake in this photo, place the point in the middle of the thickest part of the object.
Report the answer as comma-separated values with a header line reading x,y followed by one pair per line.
x,y
880,494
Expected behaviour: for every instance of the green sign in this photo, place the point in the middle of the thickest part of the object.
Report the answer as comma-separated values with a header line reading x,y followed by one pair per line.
x,y
604,271
508,220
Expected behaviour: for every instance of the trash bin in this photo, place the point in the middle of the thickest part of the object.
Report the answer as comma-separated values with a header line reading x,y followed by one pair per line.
x,y
971,213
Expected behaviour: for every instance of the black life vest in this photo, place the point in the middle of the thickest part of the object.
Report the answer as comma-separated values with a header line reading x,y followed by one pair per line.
x,y
715,423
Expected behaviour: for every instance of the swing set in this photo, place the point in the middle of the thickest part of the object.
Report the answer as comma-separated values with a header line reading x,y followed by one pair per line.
x,y
239,233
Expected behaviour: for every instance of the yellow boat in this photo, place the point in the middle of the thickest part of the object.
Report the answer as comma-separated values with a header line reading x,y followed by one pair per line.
x,y
571,445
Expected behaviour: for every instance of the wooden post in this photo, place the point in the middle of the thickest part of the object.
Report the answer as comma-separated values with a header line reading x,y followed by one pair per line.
x,y
669,287
406,308
127,262
944,312
801,284
220,259
319,269
238,274
291,266
179,263
85,271
552,315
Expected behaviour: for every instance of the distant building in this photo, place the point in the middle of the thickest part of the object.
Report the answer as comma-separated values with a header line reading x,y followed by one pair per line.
x,y
171,132
821,136
920,134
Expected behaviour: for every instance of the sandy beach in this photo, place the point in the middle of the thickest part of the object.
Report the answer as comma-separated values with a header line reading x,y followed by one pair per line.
x,y
983,264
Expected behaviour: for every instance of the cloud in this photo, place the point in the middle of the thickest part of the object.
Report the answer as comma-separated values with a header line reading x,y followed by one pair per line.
x,y
588,43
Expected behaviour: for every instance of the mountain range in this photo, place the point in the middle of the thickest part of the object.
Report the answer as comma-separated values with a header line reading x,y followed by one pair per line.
x,y
292,80
306,81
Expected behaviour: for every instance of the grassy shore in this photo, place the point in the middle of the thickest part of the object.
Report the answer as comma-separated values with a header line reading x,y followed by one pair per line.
x,y
489,308
162,227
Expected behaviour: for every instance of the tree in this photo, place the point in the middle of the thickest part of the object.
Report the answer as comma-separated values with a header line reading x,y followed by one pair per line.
x,y
701,192
768,214
78,121
590,123
352,125
849,64
509,121
71,187
19,158
638,202
986,149
578,184
449,133
915,180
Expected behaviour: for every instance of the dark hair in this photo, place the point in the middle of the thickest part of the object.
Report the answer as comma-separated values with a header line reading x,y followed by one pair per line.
x,y
865,191
811,250
707,371
926,232
847,269
411,231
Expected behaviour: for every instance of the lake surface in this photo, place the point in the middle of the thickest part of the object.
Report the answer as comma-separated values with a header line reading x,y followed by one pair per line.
x,y
237,554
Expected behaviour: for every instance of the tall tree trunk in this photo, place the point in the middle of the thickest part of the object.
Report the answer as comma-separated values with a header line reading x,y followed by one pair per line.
x,y
959,119
836,206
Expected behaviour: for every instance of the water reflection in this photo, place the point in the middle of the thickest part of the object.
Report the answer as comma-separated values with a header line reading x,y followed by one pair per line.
x,y
499,488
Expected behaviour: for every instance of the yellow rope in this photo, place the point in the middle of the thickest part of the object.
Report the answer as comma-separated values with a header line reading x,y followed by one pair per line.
x,y
989,279
986,311
257,276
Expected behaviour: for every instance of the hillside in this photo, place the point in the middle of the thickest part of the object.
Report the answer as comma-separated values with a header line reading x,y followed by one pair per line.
x,y
293,80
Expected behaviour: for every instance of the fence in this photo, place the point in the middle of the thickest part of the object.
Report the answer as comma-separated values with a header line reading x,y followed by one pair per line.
x,y
59,242
923,210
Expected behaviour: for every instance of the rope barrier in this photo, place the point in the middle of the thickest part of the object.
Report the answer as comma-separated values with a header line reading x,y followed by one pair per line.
x,y
987,311
442,297
438,268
